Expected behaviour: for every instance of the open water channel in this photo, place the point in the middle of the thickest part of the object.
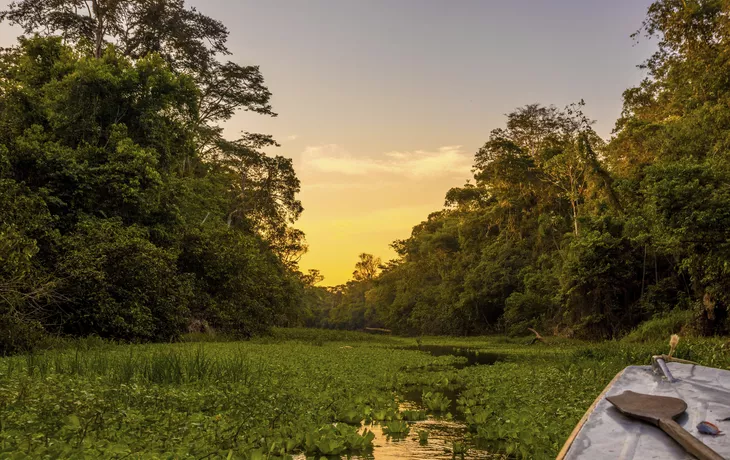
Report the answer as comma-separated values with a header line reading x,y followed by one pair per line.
x,y
441,432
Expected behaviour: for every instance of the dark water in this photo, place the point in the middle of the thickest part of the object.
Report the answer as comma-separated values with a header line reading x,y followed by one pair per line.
x,y
441,437
441,433
473,357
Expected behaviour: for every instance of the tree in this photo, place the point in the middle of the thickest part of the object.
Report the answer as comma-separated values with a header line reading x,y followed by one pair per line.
x,y
188,40
506,251
117,283
138,27
191,43
671,149
366,268
265,188
111,222
313,277
264,194
564,232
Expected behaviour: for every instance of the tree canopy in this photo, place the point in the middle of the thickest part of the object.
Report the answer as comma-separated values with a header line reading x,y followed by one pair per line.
x,y
575,235
125,212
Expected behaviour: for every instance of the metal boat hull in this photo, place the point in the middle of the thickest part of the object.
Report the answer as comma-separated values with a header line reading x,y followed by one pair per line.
x,y
604,433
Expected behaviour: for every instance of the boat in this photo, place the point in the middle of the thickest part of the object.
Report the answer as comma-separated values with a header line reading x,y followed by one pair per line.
x,y
605,433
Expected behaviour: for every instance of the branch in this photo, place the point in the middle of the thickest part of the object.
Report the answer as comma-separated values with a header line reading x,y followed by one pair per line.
x,y
537,336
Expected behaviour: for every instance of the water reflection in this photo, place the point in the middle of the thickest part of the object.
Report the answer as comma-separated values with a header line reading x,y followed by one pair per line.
x,y
441,433
473,357
441,437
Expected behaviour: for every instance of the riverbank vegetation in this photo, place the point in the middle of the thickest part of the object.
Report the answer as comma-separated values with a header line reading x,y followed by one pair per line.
x,y
127,217
278,396
125,212
574,235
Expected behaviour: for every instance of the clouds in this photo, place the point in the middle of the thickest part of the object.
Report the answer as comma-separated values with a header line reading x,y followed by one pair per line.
x,y
418,164
395,221
360,201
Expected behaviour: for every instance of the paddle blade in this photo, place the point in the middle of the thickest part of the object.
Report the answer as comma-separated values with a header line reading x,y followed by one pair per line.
x,y
649,408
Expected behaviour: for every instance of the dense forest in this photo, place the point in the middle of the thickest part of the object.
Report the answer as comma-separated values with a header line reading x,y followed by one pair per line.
x,y
126,213
568,233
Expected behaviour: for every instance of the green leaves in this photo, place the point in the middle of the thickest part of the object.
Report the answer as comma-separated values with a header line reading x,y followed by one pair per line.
x,y
396,428
351,416
274,399
188,400
123,228
73,422
109,270
337,439
436,401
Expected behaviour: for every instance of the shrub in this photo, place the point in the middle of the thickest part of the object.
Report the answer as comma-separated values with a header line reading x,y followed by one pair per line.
x,y
17,335
118,284
240,287
661,327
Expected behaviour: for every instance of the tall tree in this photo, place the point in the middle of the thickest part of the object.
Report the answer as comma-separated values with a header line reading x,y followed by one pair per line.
x,y
672,147
111,222
188,40
192,43
263,195
366,268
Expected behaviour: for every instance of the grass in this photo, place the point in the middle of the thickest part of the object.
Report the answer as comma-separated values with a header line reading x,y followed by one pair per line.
x,y
661,326
301,391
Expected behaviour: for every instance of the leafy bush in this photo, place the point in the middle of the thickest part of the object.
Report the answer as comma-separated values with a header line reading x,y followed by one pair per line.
x,y
118,284
17,335
239,286
661,327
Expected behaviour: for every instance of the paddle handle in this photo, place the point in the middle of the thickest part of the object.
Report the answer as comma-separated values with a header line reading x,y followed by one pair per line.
x,y
691,444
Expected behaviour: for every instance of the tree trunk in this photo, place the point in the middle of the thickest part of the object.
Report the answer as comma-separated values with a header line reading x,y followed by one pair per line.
x,y
575,216
99,31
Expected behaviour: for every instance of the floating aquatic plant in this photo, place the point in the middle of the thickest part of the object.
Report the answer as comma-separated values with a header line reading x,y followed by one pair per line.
x,y
436,401
396,428
413,415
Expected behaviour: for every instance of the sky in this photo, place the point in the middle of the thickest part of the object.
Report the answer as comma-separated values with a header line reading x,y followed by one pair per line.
x,y
382,103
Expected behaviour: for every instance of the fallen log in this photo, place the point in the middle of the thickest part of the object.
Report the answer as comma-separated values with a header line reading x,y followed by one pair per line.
x,y
537,336
378,329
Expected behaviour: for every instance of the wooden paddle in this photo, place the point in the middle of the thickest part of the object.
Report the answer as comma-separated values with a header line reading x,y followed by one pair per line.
x,y
661,411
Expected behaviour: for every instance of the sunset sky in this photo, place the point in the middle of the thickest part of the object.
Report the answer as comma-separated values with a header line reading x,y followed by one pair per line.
x,y
382,103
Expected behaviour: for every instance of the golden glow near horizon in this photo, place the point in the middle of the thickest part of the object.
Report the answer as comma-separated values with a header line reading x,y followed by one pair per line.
x,y
362,203
374,98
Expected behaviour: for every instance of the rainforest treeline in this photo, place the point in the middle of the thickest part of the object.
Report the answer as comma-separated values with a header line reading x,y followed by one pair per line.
x,y
124,211
568,233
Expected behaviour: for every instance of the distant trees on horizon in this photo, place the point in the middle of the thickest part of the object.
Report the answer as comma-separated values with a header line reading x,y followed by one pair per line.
x,y
566,233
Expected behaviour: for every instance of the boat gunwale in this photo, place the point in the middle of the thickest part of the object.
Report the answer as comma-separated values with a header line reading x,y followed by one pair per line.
x,y
569,442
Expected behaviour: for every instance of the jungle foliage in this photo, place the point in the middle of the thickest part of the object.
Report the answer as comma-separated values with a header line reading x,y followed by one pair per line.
x,y
565,232
293,395
124,212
